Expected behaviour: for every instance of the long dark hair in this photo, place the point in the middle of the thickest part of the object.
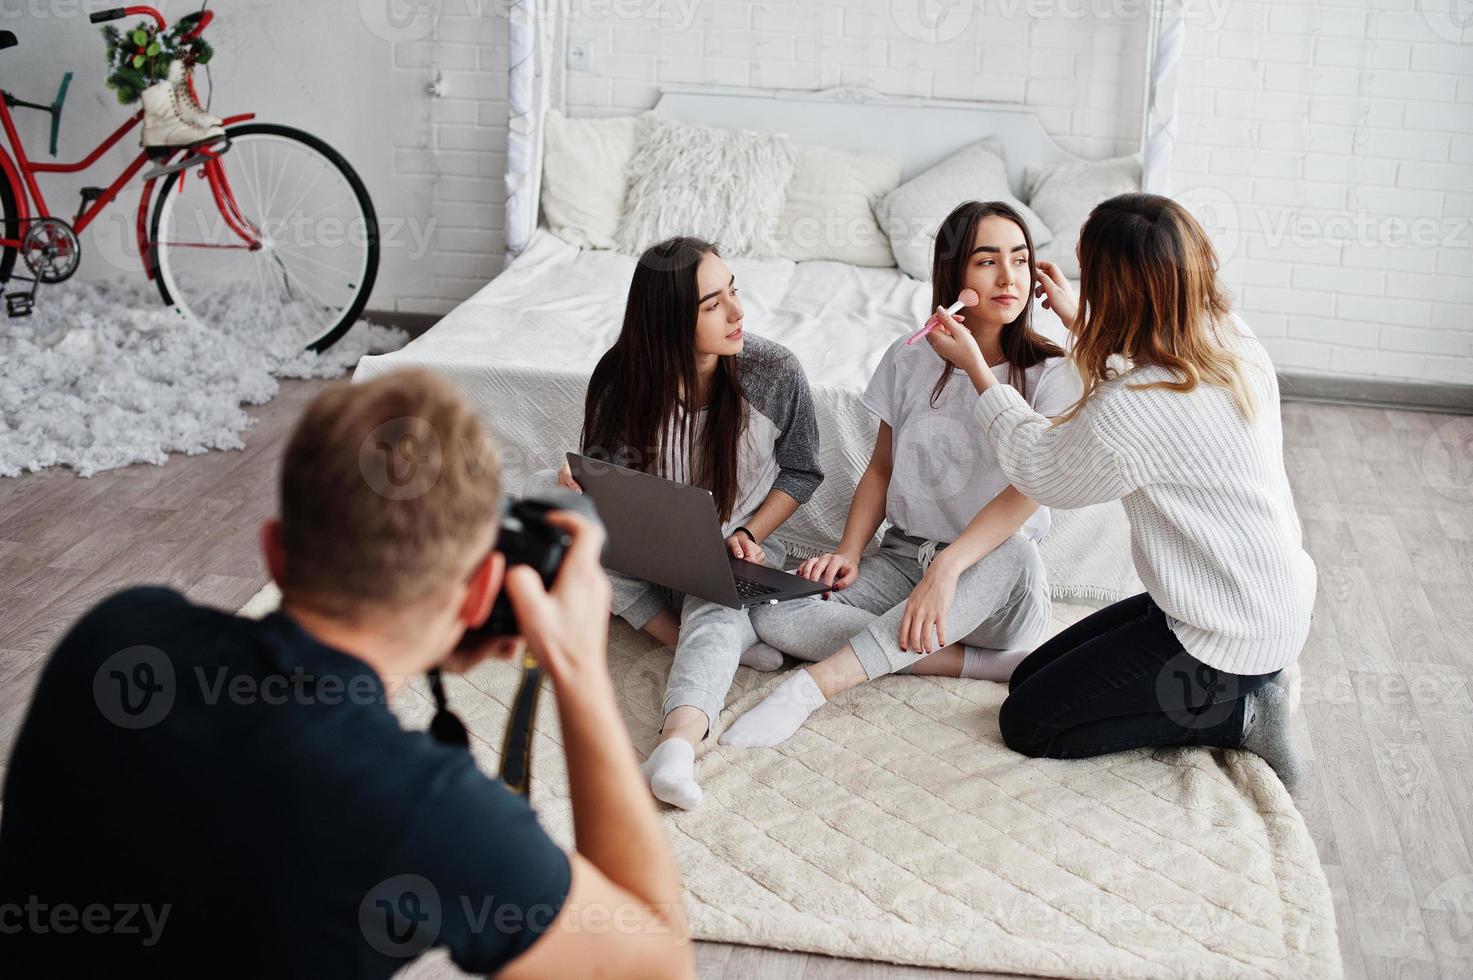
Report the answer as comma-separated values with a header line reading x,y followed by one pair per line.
x,y
636,389
1021,344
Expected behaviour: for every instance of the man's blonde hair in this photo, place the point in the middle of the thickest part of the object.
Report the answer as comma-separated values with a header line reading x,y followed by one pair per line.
x,y
389,490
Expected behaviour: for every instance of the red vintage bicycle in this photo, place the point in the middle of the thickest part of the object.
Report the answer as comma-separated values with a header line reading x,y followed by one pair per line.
x,y
270,224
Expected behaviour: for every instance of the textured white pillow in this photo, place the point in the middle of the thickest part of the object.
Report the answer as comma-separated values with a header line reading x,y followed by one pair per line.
x,y
829,212
1063,194
585,167
724,185
913,212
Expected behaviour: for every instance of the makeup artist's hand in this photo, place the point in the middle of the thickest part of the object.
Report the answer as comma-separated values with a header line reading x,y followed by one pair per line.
x,y
1057,295
741,546
835,570
923,627
955,343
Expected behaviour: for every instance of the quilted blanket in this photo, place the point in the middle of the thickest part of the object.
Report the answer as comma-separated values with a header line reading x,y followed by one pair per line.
x,y
523,347
896,826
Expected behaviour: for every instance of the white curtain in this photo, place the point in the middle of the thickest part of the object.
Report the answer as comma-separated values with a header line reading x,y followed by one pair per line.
x,y
530,26
1158,131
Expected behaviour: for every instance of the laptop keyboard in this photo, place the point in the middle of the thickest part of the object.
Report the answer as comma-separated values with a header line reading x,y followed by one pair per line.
x,y
747,589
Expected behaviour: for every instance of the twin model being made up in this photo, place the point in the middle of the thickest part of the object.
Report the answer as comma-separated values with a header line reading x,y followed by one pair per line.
x,y
1164,400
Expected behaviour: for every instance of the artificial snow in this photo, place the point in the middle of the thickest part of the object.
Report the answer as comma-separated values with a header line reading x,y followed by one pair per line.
x,y
102,375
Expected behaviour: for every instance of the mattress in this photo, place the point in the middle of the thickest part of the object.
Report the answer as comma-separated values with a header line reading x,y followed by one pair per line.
x,y
522,349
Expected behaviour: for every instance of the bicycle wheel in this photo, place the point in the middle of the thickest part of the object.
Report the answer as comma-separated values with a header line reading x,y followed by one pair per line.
x,y
10,221
298,249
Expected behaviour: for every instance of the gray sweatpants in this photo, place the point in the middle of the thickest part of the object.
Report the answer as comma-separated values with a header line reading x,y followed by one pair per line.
x,y
712,637
1001,603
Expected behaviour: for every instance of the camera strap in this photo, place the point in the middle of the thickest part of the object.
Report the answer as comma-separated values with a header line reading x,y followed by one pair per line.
x,y
446,727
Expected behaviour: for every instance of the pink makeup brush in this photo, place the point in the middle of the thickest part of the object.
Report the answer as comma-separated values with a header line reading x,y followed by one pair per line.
x,y
967,297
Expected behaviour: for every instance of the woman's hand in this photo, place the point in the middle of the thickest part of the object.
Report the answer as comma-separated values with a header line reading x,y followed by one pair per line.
x,y
926,610
834,570
565,479
1053,287
743,547
956,344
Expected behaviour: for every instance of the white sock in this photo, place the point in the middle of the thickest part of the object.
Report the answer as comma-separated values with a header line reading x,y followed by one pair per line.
x,y
990,665
760,656
779,715
671,772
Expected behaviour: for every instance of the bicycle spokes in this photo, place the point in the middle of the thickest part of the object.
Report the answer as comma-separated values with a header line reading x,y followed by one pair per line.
x,y
274,230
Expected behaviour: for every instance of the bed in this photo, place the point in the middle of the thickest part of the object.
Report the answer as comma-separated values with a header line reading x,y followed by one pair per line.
x,y
522,348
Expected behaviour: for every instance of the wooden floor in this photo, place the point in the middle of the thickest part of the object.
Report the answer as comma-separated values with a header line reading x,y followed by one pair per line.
x,y
1387,713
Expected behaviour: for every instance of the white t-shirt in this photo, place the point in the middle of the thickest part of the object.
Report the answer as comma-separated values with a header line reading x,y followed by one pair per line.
x,y
944,468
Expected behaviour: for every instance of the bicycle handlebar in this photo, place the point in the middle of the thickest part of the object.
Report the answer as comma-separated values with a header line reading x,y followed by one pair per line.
x,y
117,12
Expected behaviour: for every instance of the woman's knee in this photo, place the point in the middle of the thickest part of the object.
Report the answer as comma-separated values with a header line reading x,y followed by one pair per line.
x,y
540,482
1020,730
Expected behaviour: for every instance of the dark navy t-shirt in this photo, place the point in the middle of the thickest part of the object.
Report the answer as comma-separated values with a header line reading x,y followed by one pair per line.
x,y
194,793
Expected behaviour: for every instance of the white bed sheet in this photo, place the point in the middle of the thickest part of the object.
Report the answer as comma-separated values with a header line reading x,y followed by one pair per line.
x,y
523,347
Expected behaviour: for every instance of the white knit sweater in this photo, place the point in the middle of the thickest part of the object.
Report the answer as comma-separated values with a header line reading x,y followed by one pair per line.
x,y
1214,533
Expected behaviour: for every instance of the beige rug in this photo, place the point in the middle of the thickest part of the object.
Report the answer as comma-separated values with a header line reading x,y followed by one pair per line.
x,y
897,827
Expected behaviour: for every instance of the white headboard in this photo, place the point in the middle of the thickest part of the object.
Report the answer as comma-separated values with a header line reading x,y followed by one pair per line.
x,y
920,133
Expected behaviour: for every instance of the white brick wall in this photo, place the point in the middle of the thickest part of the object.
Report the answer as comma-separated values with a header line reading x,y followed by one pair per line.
x,y
1351,169
1329,145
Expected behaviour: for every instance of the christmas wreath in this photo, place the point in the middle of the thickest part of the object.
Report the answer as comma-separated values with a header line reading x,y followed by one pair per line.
x,y
139,57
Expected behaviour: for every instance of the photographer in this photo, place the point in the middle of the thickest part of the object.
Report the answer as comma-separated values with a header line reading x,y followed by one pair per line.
x,y
196,793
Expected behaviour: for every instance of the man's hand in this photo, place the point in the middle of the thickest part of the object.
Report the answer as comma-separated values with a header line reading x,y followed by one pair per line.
x,y
567,628
463,658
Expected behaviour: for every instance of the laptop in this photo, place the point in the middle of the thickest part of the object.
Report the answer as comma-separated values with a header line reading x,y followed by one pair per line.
x,y
668,533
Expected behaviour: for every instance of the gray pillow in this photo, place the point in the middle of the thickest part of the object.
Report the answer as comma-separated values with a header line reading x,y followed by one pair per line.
x,y
724,185
913,212
1063,194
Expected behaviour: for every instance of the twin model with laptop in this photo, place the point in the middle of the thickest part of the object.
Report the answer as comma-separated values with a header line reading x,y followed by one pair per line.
x,y
687,551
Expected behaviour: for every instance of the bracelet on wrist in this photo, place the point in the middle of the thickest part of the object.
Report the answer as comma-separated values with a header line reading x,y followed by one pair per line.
x,y
742,529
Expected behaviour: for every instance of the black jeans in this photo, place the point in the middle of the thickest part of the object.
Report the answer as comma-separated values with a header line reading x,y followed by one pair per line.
x,y
1119,679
